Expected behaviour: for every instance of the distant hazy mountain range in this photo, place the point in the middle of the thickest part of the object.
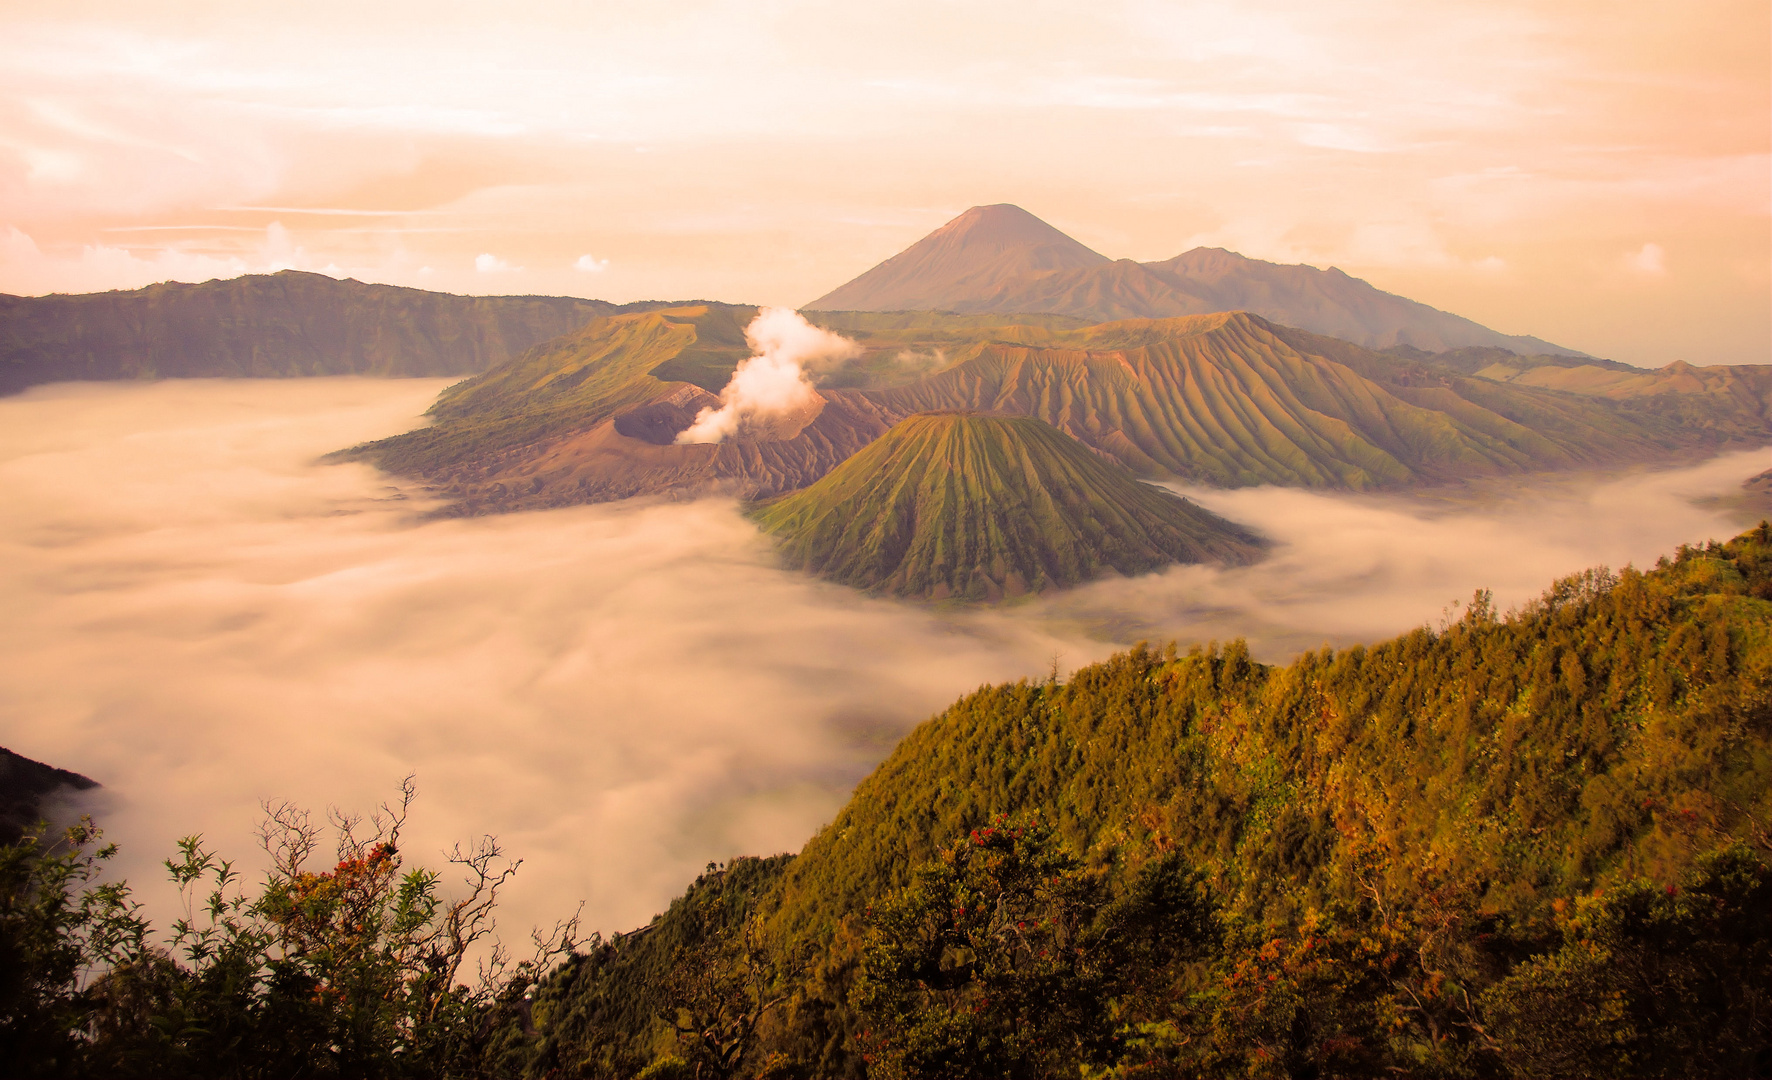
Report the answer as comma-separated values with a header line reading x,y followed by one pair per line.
x,y
275,325
1228,399
1003,259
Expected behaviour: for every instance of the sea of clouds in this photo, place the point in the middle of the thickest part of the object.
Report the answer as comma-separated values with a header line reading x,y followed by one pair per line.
x,y
202,617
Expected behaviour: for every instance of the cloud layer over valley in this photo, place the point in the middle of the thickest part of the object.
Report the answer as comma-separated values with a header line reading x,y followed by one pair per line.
x,y
200,617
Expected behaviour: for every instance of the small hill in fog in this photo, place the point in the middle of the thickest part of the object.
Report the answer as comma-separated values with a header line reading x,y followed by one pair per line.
x,y
1003,259
25,787
980,507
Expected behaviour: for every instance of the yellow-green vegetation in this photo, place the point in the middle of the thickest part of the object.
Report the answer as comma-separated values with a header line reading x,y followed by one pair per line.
x,y
979,507
1226,399
1533,844
569,384
357,967
1730,400
1526,844
272,325
1232,400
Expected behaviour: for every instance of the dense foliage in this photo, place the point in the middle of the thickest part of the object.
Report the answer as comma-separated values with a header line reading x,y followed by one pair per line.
x,y
1531,844
350,971
1410,849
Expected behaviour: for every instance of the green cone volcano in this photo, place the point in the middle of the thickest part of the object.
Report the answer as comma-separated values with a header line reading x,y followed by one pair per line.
x,y
979,507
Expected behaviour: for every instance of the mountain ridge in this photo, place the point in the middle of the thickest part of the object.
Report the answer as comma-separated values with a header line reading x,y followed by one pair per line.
x,y
1227,399
290,323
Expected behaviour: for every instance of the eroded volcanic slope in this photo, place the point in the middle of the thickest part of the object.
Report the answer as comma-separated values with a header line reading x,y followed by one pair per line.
x,y
1227,399
1003,259
275,325
980,507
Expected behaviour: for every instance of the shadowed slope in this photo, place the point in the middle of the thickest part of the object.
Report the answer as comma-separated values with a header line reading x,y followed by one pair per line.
x,y
26,786
274,325
981,507
1003,259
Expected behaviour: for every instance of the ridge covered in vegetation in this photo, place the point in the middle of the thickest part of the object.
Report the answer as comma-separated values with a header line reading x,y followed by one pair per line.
x,y
979,507
1227,399
1532,844
1527,844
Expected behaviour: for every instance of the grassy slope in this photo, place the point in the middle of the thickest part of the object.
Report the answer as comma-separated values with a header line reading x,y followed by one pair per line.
x,y
1232,400
1224,399
566,385
283,324
982,506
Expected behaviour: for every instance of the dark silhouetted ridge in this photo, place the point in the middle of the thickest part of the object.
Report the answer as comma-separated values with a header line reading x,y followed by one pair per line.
x,y
25,785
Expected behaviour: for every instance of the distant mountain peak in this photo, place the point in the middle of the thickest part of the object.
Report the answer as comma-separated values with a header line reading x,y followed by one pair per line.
x,y
983,246
1007,227
1002,259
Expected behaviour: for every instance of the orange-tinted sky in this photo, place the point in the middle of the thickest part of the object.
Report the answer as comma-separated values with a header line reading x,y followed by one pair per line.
x,y
1595,173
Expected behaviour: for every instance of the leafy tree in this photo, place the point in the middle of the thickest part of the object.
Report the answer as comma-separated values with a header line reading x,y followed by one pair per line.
x,y
721,986
1673,980
347,971
1006,955
56,925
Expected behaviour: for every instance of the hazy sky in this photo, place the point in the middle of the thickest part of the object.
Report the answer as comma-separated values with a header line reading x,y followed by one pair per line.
x,y
1595,173
201,617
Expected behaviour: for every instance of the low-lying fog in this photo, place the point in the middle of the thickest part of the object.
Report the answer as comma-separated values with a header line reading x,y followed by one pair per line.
x,y
201,618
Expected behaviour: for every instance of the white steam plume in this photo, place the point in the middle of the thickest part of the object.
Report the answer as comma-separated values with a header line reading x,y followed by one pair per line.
x,y
773,382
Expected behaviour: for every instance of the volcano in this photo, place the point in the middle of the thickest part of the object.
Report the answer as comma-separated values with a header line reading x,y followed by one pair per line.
x,y
1005,260
981,507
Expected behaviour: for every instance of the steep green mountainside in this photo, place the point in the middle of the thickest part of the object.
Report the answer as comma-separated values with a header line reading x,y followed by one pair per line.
x,y
1527,756
1233,400
271,325
1227,399
1003,259
591,416
980,507
1417,848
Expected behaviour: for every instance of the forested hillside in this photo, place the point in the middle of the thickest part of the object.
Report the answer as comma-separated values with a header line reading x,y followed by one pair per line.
x,y
1531,843
1534,843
